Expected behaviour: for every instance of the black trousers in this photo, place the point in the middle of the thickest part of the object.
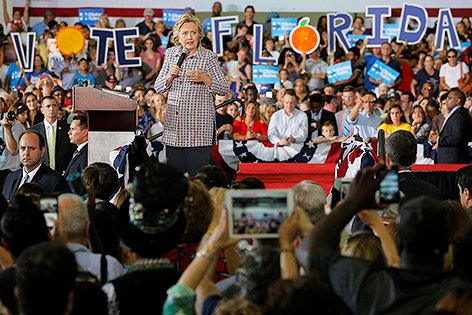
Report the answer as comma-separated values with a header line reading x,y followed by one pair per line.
x,y
188,159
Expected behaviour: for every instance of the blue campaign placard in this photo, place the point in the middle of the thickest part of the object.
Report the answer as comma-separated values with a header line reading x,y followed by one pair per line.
x,y
264,74
354,38
282,26
339,72
171,16
164,42
391,30
379,70
89,16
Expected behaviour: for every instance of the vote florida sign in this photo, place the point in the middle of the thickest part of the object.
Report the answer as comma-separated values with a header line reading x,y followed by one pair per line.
x,y
264,74
380,70
339,72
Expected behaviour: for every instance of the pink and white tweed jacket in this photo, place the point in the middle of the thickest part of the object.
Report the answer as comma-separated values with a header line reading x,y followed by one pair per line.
x,y
190,115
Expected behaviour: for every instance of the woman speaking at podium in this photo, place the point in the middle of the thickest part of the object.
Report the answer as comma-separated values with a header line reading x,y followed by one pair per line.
x,y
190,78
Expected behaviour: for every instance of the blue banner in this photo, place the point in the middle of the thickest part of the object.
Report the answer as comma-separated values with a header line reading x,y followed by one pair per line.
x,y
339,72
171,16
354,38
264,74
391,30
379,70
89,16
282,26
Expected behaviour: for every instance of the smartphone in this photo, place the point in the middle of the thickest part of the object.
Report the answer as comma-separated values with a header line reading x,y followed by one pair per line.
x,y
269,94
77,185
389,191
257,213
48,204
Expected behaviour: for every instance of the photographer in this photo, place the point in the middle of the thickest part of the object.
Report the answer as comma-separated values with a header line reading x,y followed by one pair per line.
x,y
9,135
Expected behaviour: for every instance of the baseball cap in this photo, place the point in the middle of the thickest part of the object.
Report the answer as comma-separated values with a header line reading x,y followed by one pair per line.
x,y
265,88
111,78
148,11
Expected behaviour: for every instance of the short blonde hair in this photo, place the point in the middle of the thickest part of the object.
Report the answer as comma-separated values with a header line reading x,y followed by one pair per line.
x,y
187,18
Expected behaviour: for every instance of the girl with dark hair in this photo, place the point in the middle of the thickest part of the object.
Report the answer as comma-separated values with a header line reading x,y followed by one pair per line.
x,y
39,68
395,120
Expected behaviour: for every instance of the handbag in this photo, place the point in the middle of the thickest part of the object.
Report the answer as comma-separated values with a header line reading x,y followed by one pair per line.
x,y
466,88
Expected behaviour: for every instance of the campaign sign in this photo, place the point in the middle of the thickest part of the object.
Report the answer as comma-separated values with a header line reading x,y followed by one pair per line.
x,y
391,30
282,26
354,38
171,16
164,42
339,72
264,74
379,70
206,24
89,16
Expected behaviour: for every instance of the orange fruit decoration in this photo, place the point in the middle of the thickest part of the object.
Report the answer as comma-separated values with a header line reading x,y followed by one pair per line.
x,y
70,40
304,38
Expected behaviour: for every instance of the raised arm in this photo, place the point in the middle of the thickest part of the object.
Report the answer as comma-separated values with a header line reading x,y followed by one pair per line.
x,y
361,195
5,12
26,12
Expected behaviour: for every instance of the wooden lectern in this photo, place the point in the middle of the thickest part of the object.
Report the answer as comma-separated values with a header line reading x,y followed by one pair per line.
x,y
112,119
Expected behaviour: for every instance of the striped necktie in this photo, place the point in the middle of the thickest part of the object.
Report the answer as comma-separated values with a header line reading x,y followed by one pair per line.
x,y
347,125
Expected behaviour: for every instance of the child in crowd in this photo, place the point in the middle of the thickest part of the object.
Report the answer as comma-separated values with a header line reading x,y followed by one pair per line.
x,y
84,76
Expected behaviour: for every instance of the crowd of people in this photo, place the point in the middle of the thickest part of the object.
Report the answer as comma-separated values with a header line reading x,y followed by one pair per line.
x,y
161,243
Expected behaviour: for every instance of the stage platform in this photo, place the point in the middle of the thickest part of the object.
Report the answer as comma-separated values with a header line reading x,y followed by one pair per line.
x,y
286,175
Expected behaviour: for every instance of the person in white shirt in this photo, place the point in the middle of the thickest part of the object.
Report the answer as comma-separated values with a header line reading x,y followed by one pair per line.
x,y
367,121
289,125
452,71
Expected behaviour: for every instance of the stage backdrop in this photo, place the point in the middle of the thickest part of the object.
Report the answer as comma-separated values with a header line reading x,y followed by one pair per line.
x,y
130,10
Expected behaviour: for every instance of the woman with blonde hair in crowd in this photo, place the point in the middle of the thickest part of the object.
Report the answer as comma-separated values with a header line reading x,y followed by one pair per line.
x,y
156,102
103,21
267,111
250,126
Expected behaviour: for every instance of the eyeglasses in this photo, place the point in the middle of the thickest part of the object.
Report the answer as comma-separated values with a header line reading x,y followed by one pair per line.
x,y
427,88
450,57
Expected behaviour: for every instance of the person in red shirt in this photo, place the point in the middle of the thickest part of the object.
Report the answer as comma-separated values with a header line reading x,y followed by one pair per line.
x,y
250,126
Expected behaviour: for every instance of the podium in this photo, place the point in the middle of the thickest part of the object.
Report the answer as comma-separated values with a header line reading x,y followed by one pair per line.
x,y
111,119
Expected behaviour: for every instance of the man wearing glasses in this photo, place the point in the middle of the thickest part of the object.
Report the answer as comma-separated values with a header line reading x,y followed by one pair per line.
x,y
452,71
367,121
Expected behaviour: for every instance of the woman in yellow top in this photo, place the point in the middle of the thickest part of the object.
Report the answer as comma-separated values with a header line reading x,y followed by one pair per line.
x,y
394,121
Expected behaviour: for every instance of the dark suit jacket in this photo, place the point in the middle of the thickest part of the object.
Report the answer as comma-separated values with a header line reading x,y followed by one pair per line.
x,y
454,137
51,180
78,162
64,149
325,116
413,187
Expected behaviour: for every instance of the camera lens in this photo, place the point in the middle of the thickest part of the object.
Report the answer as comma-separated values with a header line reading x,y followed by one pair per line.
x,y
11,116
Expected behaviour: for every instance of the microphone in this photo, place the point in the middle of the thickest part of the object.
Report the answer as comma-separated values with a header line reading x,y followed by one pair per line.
x,y
182,57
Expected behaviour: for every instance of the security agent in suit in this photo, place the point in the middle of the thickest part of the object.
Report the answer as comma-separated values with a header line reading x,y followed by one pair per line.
x,y
63,149
317,116
456,131
78,135
32,149
401,149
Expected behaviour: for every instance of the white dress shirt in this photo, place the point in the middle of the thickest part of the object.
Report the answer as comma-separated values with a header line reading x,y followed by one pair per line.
x,y
46,127
283,126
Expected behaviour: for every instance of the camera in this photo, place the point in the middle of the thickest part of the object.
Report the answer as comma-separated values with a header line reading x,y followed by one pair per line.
x,y
11,116
290,55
